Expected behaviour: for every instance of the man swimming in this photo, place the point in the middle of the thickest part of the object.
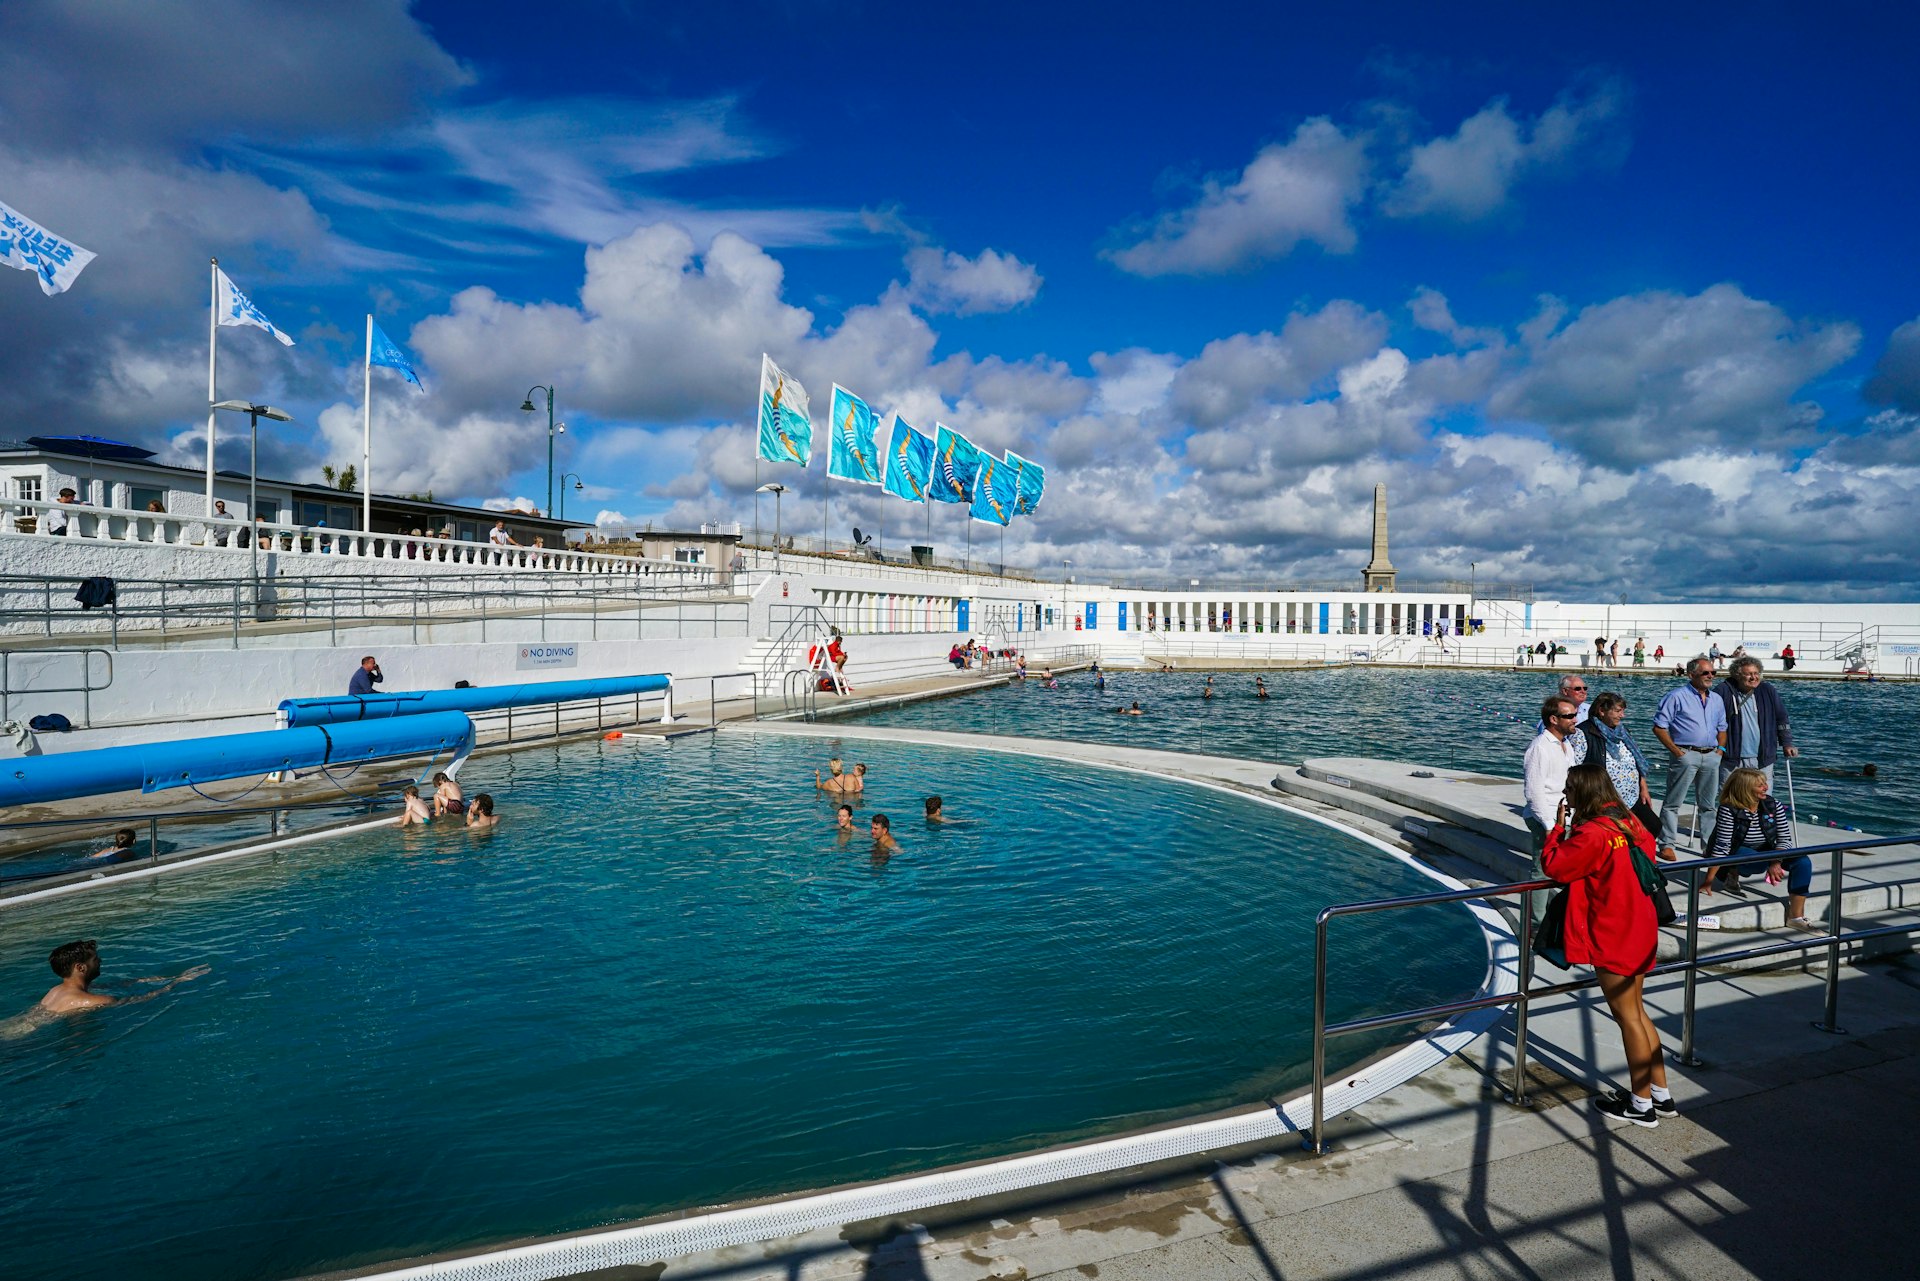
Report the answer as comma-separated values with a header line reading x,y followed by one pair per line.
x,y
1206,691
121,851
1129,711
78,965
480,814
881,829
1260,688
936,811
1868,772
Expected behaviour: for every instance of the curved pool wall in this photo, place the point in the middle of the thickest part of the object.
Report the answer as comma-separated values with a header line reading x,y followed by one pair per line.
x,y
921,1191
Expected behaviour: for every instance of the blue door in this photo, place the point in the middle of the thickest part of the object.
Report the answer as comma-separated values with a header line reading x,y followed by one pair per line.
x,y
1324,608
963,612
1092,614
1123,615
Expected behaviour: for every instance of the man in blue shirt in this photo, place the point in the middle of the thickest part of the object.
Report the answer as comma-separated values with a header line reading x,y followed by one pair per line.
x,y
1758,732
1692,725
365,676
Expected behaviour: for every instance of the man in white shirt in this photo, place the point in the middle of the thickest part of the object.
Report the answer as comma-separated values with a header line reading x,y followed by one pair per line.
x,y
500,537
1554,751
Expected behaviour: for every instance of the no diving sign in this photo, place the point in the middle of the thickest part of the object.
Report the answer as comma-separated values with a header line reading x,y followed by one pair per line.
x,y
533,656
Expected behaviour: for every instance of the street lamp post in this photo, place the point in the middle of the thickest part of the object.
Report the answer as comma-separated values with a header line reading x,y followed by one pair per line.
x,y
578,484
1067,565
254,414
776,489
553,429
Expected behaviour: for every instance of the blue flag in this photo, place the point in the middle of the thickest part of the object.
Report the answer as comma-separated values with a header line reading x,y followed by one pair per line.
x,y
382,350
1030,483
235,308
853,453
909,462
27,245
785,431
956,460
993,491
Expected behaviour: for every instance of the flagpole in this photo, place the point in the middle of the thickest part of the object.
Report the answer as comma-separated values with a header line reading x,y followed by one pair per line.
x,y
366,445
213,349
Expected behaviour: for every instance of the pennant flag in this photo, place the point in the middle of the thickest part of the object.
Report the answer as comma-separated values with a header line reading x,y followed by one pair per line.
x,y
853,454
909,462
956,460
237,309
993,491
27,245
786,433
383,350
1030,483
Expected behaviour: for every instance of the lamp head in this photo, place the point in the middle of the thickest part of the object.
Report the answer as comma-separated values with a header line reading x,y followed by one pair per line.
x,y
772,487
559,429
526,406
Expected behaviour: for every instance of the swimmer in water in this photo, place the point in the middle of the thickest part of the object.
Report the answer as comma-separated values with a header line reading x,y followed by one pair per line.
x,y
1206,691
843,824
447,796
480,814
121,851
1100,681
78,965
881,829
1260,688
935,811
835,782
1868,772
416,810
1129,711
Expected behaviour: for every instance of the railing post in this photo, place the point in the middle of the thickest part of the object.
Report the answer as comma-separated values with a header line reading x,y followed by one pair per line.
x,y
1317,1136
1831,1022
1518,1095
1687,1057
153,840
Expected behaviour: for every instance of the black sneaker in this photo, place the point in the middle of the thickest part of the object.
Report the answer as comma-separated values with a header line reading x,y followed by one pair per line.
x,y
1732,885
1663,1107
1621,1106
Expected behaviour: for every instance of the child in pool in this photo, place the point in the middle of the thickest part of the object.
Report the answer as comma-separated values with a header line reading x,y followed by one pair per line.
x,y
416,810
447,796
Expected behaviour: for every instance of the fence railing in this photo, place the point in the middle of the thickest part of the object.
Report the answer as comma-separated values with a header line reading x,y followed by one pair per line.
x,y
584,607
1690,963
229,538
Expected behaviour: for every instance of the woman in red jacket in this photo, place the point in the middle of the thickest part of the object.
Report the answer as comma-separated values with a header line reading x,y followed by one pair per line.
x,y
1610,926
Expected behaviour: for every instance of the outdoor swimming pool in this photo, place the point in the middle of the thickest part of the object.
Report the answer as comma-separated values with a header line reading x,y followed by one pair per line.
x,y
1476,720
663,982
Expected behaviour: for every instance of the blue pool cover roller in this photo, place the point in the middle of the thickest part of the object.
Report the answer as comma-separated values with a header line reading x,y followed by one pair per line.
x,y
367,707
153,767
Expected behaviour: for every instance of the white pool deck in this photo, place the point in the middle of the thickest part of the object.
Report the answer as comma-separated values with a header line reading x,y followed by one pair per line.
x,y
1791,1157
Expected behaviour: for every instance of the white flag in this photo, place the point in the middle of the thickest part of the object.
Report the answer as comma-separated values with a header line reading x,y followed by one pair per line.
x,y
237,309
27,245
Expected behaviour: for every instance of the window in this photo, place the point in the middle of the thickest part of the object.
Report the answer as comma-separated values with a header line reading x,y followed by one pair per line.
x,y
341,517
467,533
690,555
27,487
310,513
138,498
269,509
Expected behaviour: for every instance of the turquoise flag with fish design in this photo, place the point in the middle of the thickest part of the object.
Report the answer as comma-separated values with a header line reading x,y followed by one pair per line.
x,y
786,433
993,491
909,462
1030,482
956,460
852,453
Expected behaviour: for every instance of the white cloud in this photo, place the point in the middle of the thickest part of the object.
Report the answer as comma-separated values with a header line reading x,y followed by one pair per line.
x,y
1298,191
944,281
1896,376
1471,172
1642,378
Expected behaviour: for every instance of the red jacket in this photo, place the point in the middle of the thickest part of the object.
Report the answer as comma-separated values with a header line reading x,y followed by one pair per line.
x,y
1610,923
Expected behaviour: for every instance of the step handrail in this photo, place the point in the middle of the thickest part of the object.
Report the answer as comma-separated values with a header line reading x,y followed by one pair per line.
x,y
1525,993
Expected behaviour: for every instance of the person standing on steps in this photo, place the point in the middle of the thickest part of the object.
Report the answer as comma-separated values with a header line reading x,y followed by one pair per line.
x,y
1692,725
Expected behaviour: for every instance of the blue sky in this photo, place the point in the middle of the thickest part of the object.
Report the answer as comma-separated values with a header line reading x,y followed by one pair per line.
x,y
1553,281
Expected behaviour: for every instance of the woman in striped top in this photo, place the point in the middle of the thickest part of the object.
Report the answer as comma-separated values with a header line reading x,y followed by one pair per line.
x,y
1750,821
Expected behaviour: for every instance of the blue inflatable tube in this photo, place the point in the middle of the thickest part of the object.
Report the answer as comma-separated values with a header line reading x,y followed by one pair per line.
x,y
152,767
367,707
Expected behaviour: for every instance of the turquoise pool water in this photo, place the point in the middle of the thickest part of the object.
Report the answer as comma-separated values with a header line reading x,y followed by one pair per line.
x,y
1468,719
664,982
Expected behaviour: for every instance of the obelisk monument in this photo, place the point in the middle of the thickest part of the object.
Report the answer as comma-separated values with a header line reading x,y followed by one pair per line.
x,y
1378,575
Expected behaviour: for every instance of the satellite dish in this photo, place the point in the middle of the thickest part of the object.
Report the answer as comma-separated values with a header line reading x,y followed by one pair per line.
x,y
858,540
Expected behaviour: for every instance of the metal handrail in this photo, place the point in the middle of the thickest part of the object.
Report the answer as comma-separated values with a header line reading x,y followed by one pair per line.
x,y
1525,994
86,689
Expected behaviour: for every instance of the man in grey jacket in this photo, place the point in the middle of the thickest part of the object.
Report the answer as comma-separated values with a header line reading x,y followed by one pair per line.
x,y
1757,729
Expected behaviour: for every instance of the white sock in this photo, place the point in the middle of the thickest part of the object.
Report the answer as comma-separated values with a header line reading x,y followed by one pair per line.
x,y
1661,1094
1640,1104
